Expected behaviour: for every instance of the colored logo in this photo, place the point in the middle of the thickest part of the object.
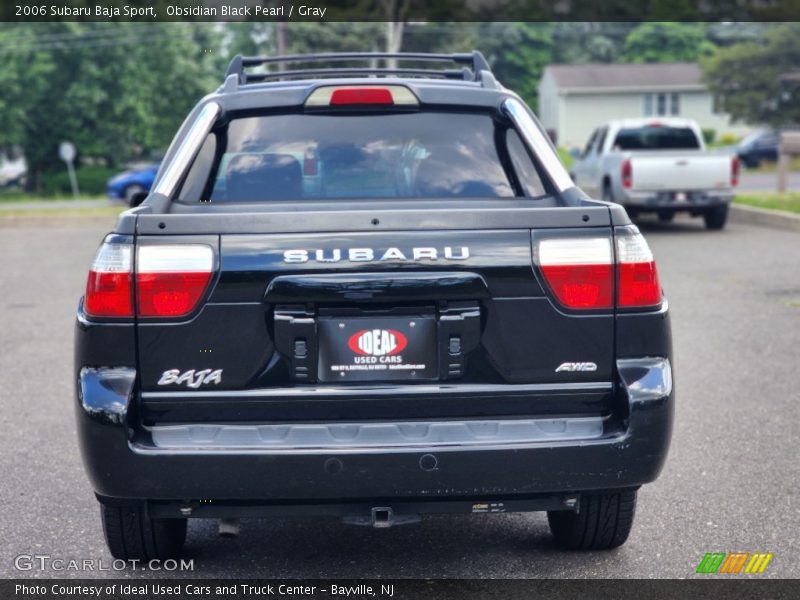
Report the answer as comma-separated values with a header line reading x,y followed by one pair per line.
x,y
377,342
734,563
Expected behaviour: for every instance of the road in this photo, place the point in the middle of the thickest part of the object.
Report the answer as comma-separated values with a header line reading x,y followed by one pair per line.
x,y
731,481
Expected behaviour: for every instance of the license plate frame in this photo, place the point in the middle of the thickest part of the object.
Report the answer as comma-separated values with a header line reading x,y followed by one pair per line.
x,y
378,349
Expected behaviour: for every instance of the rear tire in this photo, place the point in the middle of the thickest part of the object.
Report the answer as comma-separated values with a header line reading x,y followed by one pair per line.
x,y
131,535
716,217
608,194
603,522
752,163
131,191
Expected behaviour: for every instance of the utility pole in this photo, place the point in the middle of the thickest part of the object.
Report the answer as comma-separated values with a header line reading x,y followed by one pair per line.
x,y
394,41
788,141
394,11
280,38
280,42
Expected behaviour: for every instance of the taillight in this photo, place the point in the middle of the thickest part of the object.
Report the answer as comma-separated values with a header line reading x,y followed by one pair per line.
x,y
579,271
735,166
627,173
171,280
109,289
637,285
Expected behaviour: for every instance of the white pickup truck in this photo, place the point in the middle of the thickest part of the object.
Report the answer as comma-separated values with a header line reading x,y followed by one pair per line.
x,y
658,165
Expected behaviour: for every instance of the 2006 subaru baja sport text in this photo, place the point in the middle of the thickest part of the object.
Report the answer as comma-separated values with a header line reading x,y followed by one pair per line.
x,y
369,293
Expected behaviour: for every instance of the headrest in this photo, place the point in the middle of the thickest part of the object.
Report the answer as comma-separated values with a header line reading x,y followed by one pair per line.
x,y
258,176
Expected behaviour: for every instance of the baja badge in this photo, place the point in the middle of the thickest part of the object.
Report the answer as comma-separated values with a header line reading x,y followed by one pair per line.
x,y
193,379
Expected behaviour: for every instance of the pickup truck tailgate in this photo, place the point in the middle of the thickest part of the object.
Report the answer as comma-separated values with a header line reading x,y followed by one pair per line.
x,y
680,171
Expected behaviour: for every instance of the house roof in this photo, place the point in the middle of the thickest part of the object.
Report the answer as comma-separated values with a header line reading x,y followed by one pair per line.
x,y
599,77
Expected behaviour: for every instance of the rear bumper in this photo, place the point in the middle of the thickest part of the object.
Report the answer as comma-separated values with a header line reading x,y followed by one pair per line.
x,y
676,201
460,460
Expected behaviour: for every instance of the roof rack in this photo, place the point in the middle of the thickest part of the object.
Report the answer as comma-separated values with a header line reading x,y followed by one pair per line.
x,y
474,66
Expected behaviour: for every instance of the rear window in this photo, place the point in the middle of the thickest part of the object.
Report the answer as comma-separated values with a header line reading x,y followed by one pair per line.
x,y
325,156
656,138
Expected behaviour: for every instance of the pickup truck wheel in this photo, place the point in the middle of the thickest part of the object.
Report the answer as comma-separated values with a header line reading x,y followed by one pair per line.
x,y
604,521
715,217
608,195
130,534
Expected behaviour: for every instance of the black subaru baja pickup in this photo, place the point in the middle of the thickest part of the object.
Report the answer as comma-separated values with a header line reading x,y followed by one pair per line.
x,y
370,293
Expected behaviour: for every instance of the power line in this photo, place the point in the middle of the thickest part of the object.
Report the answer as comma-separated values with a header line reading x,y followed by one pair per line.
x,y
35,46
29,30
35,43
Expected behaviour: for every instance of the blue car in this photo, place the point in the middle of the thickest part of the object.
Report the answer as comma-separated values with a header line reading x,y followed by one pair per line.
x,y
128,184
760,146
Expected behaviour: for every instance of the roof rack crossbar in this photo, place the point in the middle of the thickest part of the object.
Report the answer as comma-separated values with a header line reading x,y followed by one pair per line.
x,y
475,62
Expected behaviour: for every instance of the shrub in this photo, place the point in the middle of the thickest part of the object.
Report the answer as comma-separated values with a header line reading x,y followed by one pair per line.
x,y
709,135
566,158
91,180
728,139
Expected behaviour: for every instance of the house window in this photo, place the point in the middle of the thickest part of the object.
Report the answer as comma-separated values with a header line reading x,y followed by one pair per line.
x,y
717,104
648,105
675,104
662,105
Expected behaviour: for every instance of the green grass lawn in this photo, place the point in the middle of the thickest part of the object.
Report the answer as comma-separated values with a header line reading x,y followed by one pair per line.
x,y
788,201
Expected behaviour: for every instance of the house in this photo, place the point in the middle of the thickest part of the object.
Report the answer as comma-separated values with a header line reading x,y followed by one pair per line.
x,y
574,99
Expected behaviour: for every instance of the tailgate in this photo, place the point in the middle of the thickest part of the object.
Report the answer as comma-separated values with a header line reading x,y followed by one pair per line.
x,y
445,298
680,171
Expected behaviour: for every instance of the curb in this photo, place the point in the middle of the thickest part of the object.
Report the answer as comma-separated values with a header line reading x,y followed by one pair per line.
x,y
777,219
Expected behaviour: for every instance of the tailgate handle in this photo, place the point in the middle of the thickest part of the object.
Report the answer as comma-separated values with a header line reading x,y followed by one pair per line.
x,y
377,287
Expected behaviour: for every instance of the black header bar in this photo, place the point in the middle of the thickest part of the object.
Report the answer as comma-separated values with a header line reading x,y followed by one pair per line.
x,y
406,10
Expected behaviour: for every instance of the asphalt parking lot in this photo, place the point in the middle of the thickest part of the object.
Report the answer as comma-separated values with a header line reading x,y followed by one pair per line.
x,y
732,481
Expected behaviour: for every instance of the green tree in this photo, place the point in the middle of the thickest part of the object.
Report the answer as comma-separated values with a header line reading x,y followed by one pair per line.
x,y
589,42
115,90
335,37
759,82
518,54
440,37
251,38
656,42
